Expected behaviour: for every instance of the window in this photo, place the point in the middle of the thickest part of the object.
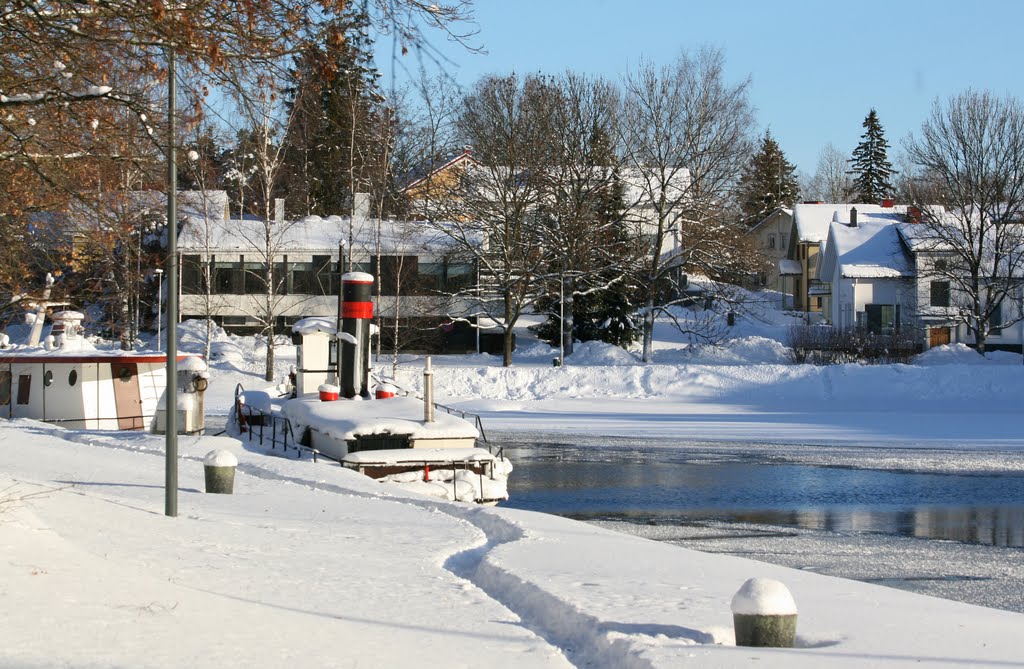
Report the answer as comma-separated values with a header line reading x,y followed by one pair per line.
x,y
72,378
255,278
24,388
191,275
48,378
995,319
5,387
771,241
398,274
940,293
881,318
227,278
460,276
326,282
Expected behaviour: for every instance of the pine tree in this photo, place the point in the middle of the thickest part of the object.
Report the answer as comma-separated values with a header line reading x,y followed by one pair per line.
x,y
335,145
768,182
871,167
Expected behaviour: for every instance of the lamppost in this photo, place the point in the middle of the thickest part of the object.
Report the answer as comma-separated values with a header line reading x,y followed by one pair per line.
x,y
159,304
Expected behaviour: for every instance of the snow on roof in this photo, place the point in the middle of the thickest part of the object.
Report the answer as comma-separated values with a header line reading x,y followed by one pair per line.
x,y
314,324
345,419
312,234
813,220
870,250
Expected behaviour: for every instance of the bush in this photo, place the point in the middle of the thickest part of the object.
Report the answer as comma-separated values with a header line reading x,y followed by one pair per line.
x,y
827,345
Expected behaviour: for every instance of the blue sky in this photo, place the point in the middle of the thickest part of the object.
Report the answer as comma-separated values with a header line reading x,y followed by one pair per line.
x,y
816,68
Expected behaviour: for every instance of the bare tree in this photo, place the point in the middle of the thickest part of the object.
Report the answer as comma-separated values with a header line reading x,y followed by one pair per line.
x,y
969,190
831,181
490,210
577,229
686,135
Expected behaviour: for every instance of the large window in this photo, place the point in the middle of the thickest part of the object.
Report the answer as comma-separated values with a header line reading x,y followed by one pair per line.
x,y
192,275
880,318
940,293
227,278
995,320
398,275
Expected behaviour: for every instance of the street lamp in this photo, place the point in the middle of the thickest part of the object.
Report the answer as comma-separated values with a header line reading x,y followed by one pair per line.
x,y
159,303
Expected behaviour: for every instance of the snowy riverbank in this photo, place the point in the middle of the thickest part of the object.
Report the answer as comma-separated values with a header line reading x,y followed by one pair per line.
x,y
314,565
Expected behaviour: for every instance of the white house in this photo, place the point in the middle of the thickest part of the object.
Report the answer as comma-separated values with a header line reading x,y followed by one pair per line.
x,y
869,273
224,260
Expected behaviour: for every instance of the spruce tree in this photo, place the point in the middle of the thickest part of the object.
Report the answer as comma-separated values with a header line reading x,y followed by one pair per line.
x,y
335,145
872,170
605,305
768,182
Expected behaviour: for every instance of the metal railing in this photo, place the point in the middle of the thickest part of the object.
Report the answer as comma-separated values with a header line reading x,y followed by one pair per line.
x,y
254,422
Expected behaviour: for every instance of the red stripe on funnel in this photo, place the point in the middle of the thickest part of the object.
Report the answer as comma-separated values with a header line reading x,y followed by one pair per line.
x,y
357,310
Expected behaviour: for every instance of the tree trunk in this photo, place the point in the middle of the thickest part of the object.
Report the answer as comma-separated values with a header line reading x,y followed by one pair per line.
x,y
568,320
506,359
648,353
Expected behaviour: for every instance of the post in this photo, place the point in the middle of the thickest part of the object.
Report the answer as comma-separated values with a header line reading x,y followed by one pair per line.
x,y
428,393
171,386
159,304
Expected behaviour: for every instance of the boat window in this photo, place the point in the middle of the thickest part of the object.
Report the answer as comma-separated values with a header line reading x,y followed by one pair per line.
x,y
5,387
48,378
125,374
24,388
73,377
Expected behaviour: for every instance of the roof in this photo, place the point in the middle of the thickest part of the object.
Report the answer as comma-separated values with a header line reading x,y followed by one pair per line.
x,y
772,214
312,234
870,250
812,221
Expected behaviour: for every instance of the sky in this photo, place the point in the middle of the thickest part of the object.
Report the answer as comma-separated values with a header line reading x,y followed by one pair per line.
x,y
816,68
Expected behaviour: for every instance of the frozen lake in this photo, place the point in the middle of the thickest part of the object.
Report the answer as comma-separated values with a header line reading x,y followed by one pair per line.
x,y
936,521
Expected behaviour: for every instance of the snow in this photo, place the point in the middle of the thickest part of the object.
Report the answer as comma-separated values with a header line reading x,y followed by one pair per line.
x,y
312,564
763,597
220,458
344,419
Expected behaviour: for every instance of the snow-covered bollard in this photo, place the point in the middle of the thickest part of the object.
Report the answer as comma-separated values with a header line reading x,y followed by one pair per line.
x,y
764,614
219,467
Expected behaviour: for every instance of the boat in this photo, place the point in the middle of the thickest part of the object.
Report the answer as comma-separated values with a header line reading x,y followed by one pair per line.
x,y
403,439
64,379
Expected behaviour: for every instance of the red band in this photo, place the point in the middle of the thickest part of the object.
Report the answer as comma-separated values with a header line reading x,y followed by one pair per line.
x,y
357,310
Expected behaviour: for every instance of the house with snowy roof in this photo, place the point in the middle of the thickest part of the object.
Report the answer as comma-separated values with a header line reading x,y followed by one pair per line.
x,y
223,265
867,271
810,227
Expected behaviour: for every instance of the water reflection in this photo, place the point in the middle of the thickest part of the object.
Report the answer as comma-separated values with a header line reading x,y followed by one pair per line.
x,y
655,487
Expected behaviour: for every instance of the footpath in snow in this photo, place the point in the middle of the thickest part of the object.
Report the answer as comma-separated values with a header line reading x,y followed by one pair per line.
x,y
312,565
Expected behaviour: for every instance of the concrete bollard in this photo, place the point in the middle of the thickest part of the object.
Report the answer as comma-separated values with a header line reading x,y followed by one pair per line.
x,y
219,467
764,614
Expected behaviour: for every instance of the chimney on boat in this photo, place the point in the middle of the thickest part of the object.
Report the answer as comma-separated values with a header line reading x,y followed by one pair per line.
x,y
354,338
853,217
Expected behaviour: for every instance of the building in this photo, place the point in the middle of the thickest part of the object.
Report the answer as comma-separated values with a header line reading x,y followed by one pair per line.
x,y
224,275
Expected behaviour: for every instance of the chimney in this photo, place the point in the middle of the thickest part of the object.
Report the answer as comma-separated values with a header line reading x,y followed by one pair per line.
x,y
853,217
361,206
914,215
888,203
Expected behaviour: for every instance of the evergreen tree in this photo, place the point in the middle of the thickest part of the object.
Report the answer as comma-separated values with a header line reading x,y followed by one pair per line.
x,y
604,305
336,140
871,167
768,182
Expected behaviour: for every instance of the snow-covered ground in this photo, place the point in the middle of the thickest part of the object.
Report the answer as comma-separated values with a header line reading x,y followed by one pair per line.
x,y
313,565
